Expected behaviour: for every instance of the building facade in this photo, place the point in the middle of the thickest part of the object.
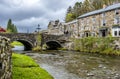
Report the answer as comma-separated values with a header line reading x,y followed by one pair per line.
x,y
101,23
2,30
71,28
55,27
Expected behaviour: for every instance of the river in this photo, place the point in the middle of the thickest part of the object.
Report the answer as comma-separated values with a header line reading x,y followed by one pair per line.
x,y
76,65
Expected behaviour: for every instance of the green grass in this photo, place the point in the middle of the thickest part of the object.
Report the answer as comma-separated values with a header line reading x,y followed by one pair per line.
x,y
24,67
16,43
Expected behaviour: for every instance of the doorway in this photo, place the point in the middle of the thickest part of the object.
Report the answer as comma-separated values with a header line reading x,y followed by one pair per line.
x,y
103,32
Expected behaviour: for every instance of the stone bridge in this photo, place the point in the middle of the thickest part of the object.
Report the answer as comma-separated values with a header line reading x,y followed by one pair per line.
x,y
54,41
27,39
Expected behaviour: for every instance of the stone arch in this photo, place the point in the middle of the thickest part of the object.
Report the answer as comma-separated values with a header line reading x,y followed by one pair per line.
x,y
27,44
53,45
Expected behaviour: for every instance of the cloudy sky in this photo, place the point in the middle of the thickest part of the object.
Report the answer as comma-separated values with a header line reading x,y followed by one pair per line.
x,y
27,14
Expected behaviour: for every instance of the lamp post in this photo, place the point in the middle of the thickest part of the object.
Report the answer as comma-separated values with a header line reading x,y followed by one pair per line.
x,y
38,28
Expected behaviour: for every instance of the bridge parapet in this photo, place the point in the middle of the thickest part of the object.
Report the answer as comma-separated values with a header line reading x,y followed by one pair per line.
x,y
28,39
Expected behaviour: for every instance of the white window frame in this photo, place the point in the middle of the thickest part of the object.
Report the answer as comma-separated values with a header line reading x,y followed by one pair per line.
x,y
113,32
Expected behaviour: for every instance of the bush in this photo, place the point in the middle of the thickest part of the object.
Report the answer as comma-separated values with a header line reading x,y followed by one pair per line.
x,y
37,48
93,44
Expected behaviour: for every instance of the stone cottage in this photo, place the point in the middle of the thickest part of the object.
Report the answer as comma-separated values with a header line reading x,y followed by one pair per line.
x,y
103,22
55,28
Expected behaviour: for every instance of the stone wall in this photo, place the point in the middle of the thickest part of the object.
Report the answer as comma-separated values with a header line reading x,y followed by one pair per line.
x,y
94,23
5,58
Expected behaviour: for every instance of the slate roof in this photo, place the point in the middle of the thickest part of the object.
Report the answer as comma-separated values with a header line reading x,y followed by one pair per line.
x,y
71,22
108,8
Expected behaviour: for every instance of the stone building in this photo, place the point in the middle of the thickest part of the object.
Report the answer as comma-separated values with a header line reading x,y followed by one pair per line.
x,y
103,22
55,28
5,59
71,28
2,30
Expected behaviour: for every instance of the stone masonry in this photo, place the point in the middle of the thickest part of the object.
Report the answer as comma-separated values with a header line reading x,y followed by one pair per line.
x,y
5,58
102,22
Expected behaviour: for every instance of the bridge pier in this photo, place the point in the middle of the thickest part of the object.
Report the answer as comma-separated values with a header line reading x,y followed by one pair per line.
x,y
54,41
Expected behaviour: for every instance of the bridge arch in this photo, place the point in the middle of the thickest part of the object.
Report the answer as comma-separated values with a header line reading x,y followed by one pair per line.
x,y
53,45
27,44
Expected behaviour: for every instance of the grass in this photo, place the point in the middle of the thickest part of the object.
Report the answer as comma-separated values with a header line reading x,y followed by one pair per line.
x,y
16,43
24,67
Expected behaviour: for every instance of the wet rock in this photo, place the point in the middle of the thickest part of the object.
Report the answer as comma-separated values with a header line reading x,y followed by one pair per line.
x,y
109,77
90,74
100,66
94,68
83,63
104,67
117,77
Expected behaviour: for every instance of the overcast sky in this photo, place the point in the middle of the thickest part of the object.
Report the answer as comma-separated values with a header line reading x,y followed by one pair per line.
x,y
27,14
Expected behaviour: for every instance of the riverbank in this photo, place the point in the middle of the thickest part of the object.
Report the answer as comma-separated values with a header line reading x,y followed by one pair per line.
x,y
16,43
24,67
107,45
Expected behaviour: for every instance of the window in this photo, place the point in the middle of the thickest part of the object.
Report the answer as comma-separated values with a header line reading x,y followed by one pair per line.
x,y
87,34
119,33
116,20
115,33
103,19
116,12
93,19
103,15
0,65
87,21
103,22
93,34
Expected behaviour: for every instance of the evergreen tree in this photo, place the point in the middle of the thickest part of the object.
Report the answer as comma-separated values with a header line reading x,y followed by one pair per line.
x,y
11,28
77,8
69,10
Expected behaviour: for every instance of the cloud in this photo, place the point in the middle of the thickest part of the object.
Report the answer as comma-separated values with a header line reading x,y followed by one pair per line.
x,y
27,14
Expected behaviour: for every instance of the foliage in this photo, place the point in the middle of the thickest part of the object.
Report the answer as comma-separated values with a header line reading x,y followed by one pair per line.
x,y
37,48
16,43
25,67
93,44
70,17
11,28
86,6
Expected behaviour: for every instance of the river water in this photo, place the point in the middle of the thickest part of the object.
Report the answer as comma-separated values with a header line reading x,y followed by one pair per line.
x,y
76,65
18,48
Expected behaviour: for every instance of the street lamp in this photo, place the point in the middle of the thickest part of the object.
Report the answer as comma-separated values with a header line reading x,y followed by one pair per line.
x,y
38,28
